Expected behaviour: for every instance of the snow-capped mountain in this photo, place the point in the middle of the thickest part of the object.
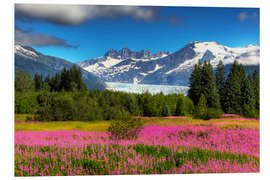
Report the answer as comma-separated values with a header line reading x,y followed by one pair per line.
x,y
165,68
114,63
26,51
31,61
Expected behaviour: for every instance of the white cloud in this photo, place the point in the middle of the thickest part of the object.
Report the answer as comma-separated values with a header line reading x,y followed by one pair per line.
x,y
77,14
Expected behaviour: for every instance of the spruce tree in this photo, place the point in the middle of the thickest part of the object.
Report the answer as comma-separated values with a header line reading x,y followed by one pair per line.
x,y
202,81
57,82
233,87
66,79
76,78
166,110
148,105
220,82
248,98
47,83
194,92
256,86
70,80
208,86
38,82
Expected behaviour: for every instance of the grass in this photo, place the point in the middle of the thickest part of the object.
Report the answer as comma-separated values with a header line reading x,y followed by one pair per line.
x,y
23,117
63,125
225,124
21,125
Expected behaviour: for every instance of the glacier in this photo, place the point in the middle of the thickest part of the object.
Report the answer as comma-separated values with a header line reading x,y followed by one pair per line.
x,y
141,88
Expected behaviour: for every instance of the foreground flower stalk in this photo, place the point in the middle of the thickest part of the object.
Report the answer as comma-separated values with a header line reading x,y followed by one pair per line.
x,y
157,150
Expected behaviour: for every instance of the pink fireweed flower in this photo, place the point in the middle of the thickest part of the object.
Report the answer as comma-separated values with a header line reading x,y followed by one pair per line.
x,y
60,148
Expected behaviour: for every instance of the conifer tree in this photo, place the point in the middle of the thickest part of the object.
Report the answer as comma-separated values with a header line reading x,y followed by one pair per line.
x,y
233,87
69,80
166,110
180,107
66,79
248,98
220,82
194,91
147,104
202,81
38,82
81,85
208,86
57,82
47,83
256,86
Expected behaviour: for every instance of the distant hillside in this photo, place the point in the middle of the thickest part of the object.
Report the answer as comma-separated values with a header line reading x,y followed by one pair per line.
x,y
31,61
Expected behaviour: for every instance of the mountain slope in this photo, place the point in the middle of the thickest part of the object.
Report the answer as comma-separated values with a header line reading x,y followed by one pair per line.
x,y
164,68
114,65
31,61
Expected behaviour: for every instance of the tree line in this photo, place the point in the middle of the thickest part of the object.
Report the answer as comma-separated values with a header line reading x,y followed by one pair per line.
x,y
64,96
213,93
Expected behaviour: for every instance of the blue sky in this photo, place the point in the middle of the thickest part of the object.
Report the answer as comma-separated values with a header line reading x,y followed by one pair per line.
x,y
80,33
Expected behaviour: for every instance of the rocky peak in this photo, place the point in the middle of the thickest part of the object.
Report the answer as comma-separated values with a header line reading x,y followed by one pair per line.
x,y
160,54
111,53
144,54
125,53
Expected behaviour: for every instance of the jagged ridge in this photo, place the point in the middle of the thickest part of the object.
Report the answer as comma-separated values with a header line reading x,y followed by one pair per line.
x,y
165,68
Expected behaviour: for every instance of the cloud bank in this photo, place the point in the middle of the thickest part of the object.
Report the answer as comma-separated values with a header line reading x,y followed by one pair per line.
x,y
78,14
29,38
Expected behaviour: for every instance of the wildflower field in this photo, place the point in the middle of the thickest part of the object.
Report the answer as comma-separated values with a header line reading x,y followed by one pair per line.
x,y
164,146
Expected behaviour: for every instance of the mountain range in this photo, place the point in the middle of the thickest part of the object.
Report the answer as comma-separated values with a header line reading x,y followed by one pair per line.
x,y
31,61
142,67
164,68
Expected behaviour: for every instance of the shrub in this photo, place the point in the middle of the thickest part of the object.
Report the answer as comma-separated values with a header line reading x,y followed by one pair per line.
x,y
29,118
201,109
213,113
202,112
210,113
126,128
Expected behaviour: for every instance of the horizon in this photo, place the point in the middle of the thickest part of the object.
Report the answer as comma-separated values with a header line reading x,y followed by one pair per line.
x,y
118,50
89,31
